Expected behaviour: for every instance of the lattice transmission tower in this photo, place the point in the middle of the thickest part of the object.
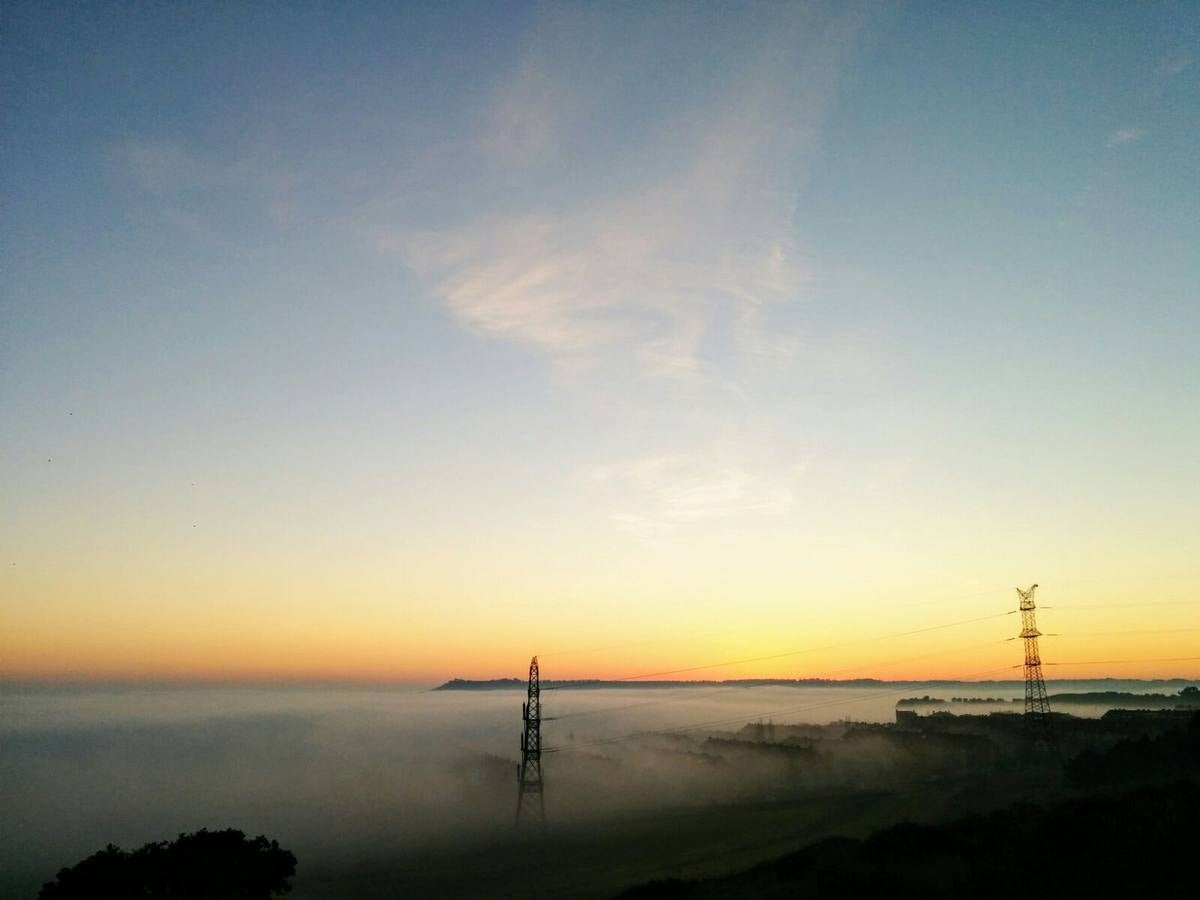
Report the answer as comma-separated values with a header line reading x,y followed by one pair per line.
x,y
529,774
1037,704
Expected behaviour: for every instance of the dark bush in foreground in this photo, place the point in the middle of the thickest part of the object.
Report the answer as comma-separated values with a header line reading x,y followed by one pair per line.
x,y
205,865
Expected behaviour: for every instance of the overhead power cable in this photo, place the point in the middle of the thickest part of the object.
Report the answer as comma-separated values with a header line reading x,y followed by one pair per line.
x,y
835,646
989,593
744,717
1115,662
1062,606
1073,634
692,694
675,636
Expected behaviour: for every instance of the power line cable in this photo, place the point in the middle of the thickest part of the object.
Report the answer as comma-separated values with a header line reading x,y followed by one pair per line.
x,y
1114,662
768,657
1062,606
988,593
1073,634
743,717
634,643
771,656
733,685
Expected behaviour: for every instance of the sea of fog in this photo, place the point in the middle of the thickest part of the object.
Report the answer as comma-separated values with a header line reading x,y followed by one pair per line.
x,y
339,774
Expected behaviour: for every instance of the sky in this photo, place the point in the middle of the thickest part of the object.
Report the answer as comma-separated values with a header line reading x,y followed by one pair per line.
x,y
383,341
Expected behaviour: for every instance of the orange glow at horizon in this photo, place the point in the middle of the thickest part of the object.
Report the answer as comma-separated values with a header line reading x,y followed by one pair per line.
x,y
318,651
223,617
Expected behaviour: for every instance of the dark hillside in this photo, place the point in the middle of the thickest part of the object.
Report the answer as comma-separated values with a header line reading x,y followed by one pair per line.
x,y
1140,844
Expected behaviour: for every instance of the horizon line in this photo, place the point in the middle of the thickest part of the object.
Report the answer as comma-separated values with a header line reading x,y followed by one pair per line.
x,y
7,681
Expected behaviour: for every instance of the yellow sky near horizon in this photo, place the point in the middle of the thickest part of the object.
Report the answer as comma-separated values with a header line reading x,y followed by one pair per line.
x,y
1092,630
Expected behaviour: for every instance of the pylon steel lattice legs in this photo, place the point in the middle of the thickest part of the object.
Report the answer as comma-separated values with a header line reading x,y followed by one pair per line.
x,y
1037,704
529,774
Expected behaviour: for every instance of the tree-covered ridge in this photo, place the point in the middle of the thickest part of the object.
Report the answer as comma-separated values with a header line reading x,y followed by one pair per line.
x,y
204,865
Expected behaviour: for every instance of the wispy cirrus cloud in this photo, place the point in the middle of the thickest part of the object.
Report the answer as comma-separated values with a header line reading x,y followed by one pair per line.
x,y
170,168
657,494
689,223
1127,135
629,206
1174,65
197,190
641,274
665,255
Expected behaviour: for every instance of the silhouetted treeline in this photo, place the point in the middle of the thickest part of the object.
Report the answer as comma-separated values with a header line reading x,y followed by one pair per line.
x,y
1136,845
205,865
1168,755
1188,697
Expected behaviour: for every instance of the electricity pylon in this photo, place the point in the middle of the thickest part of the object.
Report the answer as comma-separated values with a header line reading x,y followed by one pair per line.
x,y
1037,704
529,775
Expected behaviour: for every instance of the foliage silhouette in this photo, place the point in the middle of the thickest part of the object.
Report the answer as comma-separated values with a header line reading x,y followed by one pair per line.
x,y
1170,755
1134,845
204,865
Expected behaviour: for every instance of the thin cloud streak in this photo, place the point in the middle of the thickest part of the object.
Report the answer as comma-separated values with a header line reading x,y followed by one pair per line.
x,y
639,274
1125,136
653,495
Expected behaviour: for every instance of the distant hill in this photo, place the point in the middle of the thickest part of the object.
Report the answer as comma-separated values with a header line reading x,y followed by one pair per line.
x,y
500,684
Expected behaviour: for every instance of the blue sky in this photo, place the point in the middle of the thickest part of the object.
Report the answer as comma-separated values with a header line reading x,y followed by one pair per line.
x,y
507,298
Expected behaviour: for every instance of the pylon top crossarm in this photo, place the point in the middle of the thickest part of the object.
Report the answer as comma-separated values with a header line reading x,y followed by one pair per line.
x,y
1026,596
